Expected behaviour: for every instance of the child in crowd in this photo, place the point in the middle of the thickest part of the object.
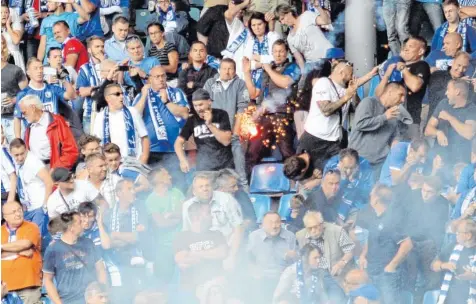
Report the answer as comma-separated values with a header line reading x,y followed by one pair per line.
x,y
296,212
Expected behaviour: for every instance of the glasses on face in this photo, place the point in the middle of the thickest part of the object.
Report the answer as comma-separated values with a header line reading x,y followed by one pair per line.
x,y
117,94
19,211
132,38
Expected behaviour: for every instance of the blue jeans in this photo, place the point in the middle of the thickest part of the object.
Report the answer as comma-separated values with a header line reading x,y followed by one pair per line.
x,y
239,159
390,286
433,10
396,14
40,218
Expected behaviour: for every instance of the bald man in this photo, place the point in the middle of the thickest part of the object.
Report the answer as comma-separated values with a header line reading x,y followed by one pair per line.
x,y
441,60
360,289
164,110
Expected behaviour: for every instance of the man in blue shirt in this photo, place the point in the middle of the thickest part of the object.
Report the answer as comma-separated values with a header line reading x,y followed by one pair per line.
x,y
271,92
404,159
50,95
115,46
138,63
72,19
356,177
93,26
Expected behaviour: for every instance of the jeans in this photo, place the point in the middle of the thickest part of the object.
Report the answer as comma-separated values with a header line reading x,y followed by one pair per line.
x,y
390,286
432,10
40,218
239,159
7,125
396,14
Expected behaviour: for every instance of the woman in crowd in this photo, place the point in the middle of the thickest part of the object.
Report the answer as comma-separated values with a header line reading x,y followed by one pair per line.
x,y
12,31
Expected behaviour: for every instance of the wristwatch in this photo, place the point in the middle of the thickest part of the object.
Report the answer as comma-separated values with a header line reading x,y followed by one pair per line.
x,y
165,103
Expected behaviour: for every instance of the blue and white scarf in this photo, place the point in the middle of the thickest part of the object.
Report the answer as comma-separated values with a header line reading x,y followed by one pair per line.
x,y
110,3
10,159
454,257
153,104
168,19
306,295
21,192
116,225
130,132
235,45
462,28
94,81
259,48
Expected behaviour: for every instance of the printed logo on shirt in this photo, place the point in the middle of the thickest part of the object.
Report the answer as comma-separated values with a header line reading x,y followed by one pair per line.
x,y
202,131
202,245
48,106
48,94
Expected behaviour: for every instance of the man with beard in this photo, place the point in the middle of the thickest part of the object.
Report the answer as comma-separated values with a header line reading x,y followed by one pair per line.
x,y
415,74
212,134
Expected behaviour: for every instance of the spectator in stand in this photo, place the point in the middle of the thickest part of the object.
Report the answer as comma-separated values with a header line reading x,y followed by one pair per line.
x,y
127,225
441,60
271,249
101,180
12,32
211,27
387,245
58,13
432,10
306,168
115,47
357,177
93,225
139,65
93,26
307,274
71,259
48,136
211,131
163,50
8,175
96,293
69,193
164,205
451,9
439,80
197,73
306,40
52,97
332,241
459,268
34,184
74,52
330,104
375,125
88,144
415,75
360,289
56,73
122,125
21,252
199,252
164,110
453,123
272,90
89,79
13,81
404,159
396,15
229,93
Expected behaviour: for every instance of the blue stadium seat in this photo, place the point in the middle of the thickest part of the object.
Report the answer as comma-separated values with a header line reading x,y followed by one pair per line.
x,y
431,297
261,204
142,20
269,178
407,297
195,13
284,204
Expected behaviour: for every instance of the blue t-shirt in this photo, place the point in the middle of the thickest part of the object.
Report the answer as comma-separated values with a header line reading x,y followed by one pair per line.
x,y
73,267
145,65
466,179
93,235
438,59
47,28
50,96
395,160
172,123
93,26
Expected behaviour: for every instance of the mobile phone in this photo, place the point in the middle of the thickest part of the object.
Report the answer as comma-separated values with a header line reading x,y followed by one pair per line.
x,y
123,68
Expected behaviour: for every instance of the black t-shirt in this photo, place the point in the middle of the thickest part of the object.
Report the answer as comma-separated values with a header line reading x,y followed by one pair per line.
x,y
318,201
205,270
459,289
211,154
386,232
459,148
437,89
414,99
11,76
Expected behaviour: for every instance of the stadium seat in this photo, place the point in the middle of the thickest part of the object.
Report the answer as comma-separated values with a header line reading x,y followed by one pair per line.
x,y
431,297
269,178
142,20
261,204
195,13
373,85
407,297
284,204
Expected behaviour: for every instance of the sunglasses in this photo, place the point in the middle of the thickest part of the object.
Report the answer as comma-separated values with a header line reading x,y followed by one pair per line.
x,y
117,94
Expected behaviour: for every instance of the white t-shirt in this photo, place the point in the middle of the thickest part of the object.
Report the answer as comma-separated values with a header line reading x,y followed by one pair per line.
x,y
39,142
309,39
235,29
7,168
84,191
117,130
318,125
33,187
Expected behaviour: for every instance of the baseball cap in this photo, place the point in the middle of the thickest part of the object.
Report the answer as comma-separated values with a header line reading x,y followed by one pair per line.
x,y
335,53
61,175
200,94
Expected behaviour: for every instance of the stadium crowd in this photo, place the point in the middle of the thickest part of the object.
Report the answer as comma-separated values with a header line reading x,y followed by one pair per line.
x,y
224,152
